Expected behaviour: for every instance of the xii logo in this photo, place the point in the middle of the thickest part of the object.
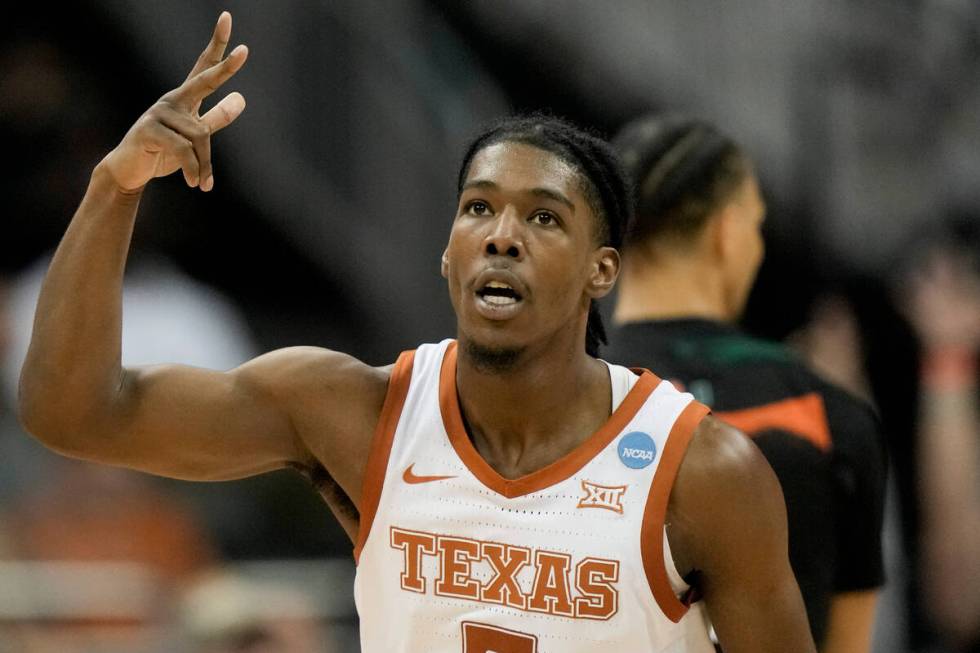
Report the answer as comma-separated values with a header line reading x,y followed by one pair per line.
x,y
609,497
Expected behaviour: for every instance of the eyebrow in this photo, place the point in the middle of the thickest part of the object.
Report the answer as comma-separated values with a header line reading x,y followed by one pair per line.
x,y
537,192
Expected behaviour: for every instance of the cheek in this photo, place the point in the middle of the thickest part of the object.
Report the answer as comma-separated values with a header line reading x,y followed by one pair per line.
x,y
450,256
568,281
448,264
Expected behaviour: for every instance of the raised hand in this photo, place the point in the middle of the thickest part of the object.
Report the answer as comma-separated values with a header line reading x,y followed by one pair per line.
x,y
942,300
172,134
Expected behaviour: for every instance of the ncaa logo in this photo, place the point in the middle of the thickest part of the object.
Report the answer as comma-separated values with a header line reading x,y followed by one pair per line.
x,y
637,450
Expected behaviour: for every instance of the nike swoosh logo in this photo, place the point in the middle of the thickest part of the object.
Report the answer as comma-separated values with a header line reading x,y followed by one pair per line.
x,y
409,477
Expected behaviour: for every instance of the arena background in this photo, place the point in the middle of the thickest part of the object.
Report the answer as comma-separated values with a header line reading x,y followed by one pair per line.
x,y
334,195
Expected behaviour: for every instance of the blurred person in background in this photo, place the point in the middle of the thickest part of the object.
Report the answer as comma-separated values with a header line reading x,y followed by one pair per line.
x,y
525,367
226,613
941,298
94,513
57,89
688,268
89,553
922,375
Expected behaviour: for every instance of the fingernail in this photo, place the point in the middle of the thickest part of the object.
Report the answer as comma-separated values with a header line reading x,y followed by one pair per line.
x,y
208,183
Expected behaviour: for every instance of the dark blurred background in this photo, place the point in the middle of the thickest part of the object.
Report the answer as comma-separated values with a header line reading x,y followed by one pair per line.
x,y
334,193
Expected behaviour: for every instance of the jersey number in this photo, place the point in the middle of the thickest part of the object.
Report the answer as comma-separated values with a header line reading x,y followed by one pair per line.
x,y
481,638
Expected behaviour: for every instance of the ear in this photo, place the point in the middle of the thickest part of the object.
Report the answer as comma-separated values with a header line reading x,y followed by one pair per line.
x,y
605,270
444,267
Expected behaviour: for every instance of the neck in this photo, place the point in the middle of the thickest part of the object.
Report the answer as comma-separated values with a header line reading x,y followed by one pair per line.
x,y
535,410
677,285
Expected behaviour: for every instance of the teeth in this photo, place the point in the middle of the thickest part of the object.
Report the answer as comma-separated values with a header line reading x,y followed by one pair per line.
x,y
498,284
499,300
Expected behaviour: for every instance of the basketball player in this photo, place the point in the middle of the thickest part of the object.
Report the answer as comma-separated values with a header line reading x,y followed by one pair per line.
x,y
687,271
515,493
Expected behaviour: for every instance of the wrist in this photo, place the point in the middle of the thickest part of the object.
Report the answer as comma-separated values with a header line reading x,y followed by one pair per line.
x,y
949,367
103,177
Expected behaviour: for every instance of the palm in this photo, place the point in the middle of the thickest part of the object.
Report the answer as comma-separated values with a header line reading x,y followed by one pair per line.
x,y
141,166
944,302
158,162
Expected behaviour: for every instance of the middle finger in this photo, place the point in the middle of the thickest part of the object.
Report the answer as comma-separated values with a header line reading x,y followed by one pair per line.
x,y
215,49
194,90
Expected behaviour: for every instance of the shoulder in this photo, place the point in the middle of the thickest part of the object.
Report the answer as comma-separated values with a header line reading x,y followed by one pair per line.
x,y
852,422
741,347
331,397
846,408
725,492
855,427
334,402
720,459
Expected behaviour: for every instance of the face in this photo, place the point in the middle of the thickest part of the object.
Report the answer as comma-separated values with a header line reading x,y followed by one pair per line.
x,y
745,215
523,261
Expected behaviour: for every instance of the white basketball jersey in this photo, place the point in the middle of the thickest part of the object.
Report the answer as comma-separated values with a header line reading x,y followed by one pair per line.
x,y
454,558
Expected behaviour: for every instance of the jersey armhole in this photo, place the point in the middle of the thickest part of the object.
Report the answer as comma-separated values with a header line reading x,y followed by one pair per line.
x,y
384,436
653,547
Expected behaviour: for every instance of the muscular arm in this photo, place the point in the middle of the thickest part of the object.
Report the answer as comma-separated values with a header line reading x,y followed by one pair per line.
x,y
727,519
292,407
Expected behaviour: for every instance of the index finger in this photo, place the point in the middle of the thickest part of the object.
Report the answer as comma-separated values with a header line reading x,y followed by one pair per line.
x,y
215,49
195,89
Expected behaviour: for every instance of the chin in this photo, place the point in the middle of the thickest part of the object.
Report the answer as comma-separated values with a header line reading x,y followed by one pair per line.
x,y
492,360
493,352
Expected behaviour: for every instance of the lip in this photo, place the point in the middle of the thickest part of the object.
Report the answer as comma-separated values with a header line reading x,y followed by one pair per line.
x,y
498,311
503,275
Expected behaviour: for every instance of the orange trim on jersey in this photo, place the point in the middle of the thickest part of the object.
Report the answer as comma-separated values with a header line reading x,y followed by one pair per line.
x,y
557,471
652,530
384,436
803,416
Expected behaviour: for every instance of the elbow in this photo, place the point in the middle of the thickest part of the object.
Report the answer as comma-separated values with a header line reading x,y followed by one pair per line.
x,y
32,400
43,424
29,411
57,424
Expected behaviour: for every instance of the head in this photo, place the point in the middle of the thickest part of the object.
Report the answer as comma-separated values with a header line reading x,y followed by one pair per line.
x,y
543,208
696,193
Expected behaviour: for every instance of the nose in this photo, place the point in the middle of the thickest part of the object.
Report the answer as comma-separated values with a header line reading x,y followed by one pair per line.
x,y
506,237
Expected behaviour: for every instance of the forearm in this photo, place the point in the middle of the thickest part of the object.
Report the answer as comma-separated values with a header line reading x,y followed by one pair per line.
x,y
950,477
73,366
949,435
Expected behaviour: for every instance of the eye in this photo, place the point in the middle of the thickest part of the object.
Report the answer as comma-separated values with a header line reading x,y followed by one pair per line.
x,y
544,218
478,207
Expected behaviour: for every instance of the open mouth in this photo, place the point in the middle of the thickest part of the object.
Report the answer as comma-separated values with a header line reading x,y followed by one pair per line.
x,y
498,293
